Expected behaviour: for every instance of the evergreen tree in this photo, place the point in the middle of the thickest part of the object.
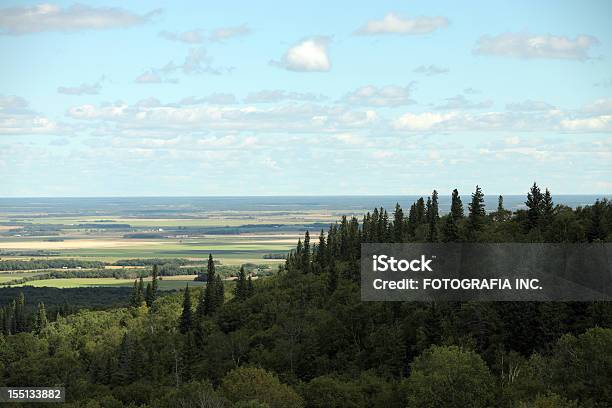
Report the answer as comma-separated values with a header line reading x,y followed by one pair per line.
x,y
186,321
596,230
420,211
398,224
476,213
534,207
412,220
219,292
433,215
456,206
450,232
149,294
20,317
305,259
240,291
141,291
209,291
250,289
41,318
322,251
134,295
548,208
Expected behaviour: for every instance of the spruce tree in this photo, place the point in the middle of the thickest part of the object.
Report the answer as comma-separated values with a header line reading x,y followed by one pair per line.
x,y
456,206
322,251
596,230
420,211
548,208
20,316
306,253
398,224
209,291
450,232
141,291
186,321
149,295
240,291
534,207
476,213
332,279
134,295
250,289
433,215
219,292
41,318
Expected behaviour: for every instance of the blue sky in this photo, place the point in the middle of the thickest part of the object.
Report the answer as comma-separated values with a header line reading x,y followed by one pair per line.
x,y
309,98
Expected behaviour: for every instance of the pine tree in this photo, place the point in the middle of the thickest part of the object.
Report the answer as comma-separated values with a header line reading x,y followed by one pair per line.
x,y
240,291
149,295
450,232
420,211
322,251
41,318
20,317
596,230
306,253
141,291
456,206
186,321
209,291
433,215
398,224
134,295
476,213
534,207
548,208
219,292
250,288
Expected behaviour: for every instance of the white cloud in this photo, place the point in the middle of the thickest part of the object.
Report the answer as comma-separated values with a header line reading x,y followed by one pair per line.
x,y
601,123
188,37
430,70
225,33
527,46
83,89
529,105
422,121
214,99
390,96
50,17
278,95
17,119
394,24
308,55
149,77
460,102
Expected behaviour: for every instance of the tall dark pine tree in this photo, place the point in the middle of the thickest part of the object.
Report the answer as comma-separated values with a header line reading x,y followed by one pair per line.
x,y
250,288
412,220
134,295
398,224
186,320
456,205
141,291
151,292
209,291
306,253
596,230
534,207
322,251
450,231
548,208
420,211
476,213
240,291
433,215
219,292
41,318
20,316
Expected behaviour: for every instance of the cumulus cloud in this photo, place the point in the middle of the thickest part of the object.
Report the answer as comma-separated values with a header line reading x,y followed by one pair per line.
x,y
278,95
196,62
308,55
602,123
83,89
395,24
460,102
50,17
422,121
189,37
430,70
155,119
213,99
225,33
389,96
16,118
529,105
529,46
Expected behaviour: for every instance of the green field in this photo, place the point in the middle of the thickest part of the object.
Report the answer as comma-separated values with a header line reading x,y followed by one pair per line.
x,y
88,282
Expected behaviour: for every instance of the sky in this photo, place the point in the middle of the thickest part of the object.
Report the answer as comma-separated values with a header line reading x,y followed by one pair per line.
x,y
191,98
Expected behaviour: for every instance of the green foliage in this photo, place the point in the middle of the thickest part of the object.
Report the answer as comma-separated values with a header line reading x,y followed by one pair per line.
x,y
448,376
255,384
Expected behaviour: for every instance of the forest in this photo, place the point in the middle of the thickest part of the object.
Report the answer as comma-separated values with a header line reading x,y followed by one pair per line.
x,y
304,338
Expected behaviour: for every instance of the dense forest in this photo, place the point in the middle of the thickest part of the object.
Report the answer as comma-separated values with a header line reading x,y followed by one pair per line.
x,y
303,338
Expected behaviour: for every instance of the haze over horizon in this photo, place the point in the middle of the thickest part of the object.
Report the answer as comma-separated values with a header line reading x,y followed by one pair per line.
x,y
110,99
